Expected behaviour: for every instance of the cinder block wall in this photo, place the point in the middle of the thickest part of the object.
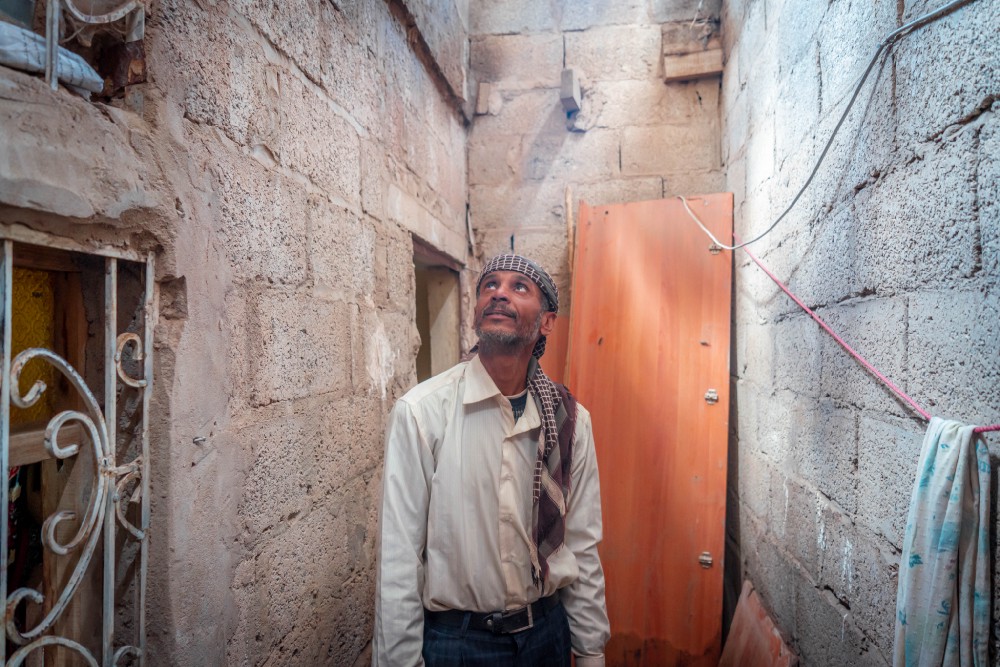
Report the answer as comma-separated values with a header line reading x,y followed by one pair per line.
x,y
897,245
278,163
635,138
321,137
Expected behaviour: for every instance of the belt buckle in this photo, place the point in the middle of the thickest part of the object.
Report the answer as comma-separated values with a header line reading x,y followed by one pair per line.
x,y
497,621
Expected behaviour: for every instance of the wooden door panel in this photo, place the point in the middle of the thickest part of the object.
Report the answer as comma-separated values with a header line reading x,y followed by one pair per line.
x,y
649,336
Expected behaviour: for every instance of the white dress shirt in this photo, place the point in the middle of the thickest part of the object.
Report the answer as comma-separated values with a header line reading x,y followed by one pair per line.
x,y
456,517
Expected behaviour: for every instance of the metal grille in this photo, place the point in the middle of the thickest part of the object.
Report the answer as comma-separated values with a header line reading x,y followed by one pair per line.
x,y
114,484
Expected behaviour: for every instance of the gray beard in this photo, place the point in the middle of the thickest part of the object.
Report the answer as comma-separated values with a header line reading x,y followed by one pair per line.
x,y
500,342
507,342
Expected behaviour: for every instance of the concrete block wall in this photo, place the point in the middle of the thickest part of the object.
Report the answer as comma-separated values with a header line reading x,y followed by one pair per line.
x,y
279,163
635,137
895,245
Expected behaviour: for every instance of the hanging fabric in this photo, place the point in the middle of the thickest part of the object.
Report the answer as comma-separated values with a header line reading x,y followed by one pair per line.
x,y
943,600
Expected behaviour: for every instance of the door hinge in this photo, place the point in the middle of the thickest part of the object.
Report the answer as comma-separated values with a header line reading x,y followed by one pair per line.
x,y
705,560
711,397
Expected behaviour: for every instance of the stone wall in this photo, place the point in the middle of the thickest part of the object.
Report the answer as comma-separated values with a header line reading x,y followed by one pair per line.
x,y
283,156
635,137
896,245
279,162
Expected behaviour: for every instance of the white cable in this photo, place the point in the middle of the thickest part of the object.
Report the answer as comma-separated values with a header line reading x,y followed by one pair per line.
x,y
705,229
883,45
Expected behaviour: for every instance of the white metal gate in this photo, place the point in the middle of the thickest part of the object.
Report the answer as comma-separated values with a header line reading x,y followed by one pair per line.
x,y
118,490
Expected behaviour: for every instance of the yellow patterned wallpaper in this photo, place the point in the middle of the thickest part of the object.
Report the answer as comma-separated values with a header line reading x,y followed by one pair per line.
x,y
33,312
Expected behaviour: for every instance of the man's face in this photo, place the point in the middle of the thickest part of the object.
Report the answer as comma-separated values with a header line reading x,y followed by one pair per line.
x,y
509,311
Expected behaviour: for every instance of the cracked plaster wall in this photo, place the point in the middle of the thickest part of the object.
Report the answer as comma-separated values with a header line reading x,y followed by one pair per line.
x,y
897,245
278,162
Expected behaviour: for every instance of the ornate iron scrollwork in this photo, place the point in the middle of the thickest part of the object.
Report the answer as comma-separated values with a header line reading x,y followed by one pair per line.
x,y
95,426
18,657
113,486
123,341
89,530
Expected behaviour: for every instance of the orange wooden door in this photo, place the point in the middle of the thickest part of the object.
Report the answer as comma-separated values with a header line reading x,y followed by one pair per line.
x,y
553,362
649,338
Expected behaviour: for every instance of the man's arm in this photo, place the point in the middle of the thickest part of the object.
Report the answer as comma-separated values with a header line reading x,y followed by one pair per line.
x,y
584,598
399,609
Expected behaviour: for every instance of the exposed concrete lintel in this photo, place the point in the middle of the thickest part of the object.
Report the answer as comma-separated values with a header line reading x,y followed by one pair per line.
x,y
405,210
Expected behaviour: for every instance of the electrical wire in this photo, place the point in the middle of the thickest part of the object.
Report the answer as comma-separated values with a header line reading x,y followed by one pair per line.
x,y
891,39
888,41
850,350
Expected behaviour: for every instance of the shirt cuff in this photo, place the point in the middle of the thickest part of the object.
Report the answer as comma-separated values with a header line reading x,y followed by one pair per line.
x,y
590,660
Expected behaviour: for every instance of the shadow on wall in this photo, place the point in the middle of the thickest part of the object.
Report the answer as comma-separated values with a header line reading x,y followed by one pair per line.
x,y
544,149
732,577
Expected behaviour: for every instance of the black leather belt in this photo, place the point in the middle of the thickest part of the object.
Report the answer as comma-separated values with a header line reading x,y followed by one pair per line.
x,y
497,622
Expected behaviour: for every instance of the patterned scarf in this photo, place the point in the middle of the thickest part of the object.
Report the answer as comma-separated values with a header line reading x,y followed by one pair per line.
x,y
557,407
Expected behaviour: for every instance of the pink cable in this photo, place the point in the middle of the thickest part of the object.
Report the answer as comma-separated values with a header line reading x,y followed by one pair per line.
x,y
874,371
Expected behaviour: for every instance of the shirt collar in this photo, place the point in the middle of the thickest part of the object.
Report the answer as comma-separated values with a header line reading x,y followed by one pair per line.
x,y
478,384
530,419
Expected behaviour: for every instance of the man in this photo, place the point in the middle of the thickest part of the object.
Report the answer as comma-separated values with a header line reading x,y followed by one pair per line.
x,y
491,510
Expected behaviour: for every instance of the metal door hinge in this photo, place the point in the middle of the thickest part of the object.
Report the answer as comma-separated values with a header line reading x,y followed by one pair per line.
x,y
705,560
711,397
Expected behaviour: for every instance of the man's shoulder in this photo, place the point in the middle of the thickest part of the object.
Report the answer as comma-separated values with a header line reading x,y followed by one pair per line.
x,y
434,388
583,424
580,409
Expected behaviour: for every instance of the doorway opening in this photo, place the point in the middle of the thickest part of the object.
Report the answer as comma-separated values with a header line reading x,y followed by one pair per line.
x,y
438,311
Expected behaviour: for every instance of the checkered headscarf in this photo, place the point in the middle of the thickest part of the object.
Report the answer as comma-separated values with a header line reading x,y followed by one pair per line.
x,y
538,276
558,412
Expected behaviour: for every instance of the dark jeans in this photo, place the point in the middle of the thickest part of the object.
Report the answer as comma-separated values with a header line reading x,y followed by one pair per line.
x,y
544,645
